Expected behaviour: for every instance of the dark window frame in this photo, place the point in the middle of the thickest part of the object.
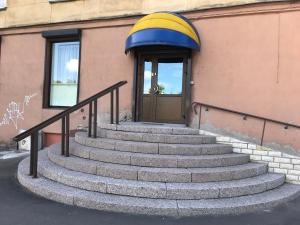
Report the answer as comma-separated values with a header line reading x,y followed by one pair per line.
x,y
58,36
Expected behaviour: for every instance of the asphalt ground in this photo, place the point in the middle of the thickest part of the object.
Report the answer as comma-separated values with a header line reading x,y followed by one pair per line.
x,y
20,207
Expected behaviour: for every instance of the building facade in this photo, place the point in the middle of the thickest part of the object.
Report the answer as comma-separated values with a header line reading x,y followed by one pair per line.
x,y
248,62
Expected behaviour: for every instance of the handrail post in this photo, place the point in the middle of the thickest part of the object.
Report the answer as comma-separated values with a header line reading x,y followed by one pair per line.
x,y
63,135
263,134
90,120
31,155
34,142
95,118
200,112
117,106
112,107
67,154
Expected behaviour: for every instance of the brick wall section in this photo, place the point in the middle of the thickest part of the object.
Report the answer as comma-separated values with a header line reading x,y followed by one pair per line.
x,y
277,161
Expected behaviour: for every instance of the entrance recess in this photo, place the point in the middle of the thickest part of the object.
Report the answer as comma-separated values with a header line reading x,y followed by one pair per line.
x,y
162,88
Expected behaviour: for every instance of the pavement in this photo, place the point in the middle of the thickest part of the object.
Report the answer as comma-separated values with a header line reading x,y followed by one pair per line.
x,y
20,207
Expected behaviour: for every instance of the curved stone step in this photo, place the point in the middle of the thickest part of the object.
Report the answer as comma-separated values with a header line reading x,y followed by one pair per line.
x,y
161,190
156,138
156,174
156,160
153,148
164,207
150,128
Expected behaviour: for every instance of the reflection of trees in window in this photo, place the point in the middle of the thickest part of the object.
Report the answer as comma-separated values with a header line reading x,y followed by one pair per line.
x,y
161,89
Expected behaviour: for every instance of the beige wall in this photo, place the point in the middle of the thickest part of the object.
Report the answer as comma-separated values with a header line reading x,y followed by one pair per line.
x,y
30,12
248,62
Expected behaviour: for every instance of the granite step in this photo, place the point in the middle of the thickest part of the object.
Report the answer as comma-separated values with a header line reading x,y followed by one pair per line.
x,y
223,189
156,138
156,174
156,160
153,148
146,206
151,128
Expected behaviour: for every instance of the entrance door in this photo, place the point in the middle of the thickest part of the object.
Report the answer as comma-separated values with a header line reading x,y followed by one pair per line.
x,y
162,89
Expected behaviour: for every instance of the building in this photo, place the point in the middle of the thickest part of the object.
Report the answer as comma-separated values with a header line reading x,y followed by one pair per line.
x,y
228,68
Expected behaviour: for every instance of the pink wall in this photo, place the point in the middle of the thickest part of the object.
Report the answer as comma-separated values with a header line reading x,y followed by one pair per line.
x,y
248,62
103,63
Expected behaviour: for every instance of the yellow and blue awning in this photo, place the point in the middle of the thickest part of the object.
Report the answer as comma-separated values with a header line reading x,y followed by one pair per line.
x,y
163,28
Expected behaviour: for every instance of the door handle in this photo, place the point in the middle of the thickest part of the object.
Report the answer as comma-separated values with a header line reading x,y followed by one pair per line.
x,y
156,90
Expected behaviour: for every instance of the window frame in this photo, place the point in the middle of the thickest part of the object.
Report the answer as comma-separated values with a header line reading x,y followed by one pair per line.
x,y
51,38
4,7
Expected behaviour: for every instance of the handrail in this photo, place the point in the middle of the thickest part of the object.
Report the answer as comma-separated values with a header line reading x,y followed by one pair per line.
x,y
67,111
65,126
199,104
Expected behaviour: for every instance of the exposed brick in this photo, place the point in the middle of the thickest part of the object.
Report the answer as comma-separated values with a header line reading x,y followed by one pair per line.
x,y
252,146
223,138
274,165
267,158
256,152
275,153
237,150
277,170
292,178
255,157
296,161
286,166
297,167
282,160
247,151
287,155
239,145
294,172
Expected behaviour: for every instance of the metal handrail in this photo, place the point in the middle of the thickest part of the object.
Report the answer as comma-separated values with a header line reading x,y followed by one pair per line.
x,y
65,127
245,115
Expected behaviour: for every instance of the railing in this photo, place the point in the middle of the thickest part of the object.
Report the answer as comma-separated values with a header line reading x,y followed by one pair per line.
x,y
65,126
199,105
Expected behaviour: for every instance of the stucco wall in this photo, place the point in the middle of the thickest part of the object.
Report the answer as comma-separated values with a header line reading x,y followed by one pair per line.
x,y
103,63
29,12
248,62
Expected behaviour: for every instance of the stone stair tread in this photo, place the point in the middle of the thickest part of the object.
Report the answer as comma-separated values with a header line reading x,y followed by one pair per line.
x,y
150,128
109,202
156,174
220,189
152,148
156,138
156,160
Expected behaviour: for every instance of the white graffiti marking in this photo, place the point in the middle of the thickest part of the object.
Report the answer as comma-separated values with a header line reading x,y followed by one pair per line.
x,y
15,111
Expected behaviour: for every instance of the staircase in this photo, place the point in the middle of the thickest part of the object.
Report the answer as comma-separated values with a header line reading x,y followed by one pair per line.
x,y
155,170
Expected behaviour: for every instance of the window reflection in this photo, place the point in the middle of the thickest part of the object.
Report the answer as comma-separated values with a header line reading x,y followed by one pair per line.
x,y
170,74
64,73
147,77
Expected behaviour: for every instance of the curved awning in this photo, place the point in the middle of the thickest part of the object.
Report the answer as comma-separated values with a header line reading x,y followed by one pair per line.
x,y
163,28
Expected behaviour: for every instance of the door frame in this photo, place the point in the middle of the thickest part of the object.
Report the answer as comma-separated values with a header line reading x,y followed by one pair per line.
x,y
158,51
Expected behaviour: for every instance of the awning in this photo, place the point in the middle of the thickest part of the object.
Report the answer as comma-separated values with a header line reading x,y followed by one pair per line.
x,y
163,28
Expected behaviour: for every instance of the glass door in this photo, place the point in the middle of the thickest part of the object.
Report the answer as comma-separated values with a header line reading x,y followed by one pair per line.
x,y
163,89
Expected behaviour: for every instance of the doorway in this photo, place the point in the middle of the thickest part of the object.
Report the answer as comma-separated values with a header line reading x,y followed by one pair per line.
x,y
161,88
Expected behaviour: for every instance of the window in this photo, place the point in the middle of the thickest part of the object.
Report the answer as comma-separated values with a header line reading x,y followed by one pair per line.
x,y
3,4
61,69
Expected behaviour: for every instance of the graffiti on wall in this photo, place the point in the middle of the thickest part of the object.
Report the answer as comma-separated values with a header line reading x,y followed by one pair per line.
x,y
15,111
